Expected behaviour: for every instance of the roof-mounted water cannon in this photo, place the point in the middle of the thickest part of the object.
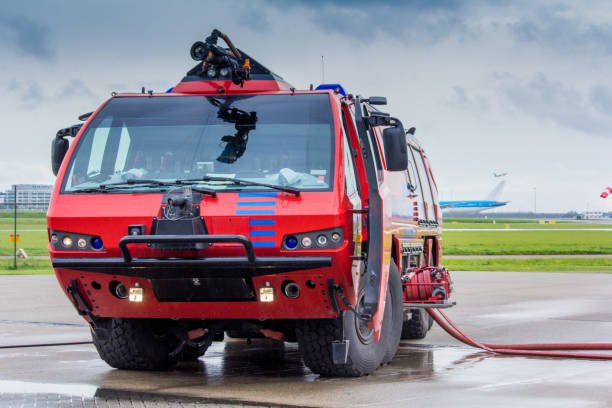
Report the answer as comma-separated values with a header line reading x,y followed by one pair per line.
x,y
219,62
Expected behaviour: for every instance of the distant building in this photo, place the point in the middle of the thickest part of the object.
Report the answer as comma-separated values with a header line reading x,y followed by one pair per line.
x,y
592,215
33,197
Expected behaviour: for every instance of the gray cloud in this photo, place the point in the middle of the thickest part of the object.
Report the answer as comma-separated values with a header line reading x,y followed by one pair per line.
x,y
462,99
26,37
75,88
416,23
32,95
601,98
551,29
29,93
547,99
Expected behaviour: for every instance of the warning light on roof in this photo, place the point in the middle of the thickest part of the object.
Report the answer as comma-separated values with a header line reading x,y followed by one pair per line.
x,y
337,88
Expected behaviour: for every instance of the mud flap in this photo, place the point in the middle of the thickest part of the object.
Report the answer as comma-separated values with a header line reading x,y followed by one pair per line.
x,y
83,309
340,350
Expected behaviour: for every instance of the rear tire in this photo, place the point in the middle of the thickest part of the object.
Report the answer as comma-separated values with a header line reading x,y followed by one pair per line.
x,y
137,344
417,326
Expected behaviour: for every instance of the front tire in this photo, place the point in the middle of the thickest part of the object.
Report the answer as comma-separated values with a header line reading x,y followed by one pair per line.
x,y
394,315
315,337
137,344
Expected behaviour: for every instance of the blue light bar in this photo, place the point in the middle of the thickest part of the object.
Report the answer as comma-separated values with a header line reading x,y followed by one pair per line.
x,y
334,87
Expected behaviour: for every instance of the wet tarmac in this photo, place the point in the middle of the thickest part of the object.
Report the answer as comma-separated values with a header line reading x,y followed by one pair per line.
x,y
492,306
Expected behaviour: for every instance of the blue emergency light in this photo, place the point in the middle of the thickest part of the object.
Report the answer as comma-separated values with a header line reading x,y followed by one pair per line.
x,y
334,87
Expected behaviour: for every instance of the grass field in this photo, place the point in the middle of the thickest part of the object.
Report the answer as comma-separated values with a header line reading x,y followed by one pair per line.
x,y
532,264
454,242
32,242
25,220
26,267
472,223
526,242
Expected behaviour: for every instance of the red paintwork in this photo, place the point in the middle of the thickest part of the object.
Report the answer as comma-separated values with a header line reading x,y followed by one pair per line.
x,y
108,215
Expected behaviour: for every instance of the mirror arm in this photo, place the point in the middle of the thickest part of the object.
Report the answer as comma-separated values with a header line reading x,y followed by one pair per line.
x,y
69,131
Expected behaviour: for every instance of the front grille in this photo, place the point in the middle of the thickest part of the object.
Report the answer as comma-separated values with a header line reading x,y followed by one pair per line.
x,y
203,290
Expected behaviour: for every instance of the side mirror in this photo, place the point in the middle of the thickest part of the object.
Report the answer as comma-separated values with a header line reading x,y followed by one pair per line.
x,y
59,147
376,100
396,153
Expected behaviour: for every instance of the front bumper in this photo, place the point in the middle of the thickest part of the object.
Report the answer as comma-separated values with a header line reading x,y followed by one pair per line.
x,y
219,267
175,287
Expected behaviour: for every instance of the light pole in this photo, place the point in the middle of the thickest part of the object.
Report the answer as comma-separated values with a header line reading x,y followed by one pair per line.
x,y
535,201
15,229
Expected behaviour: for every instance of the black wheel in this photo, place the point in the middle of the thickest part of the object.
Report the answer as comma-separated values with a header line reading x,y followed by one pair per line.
x,y
192,353
315,337
394,315
137,344
417,324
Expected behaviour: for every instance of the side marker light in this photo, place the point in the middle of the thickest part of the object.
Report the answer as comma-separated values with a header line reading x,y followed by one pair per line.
x,y
97,243
136,294
266,294
291,242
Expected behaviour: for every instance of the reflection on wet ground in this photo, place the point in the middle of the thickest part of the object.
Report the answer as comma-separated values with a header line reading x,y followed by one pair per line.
x,y
268,373
434,371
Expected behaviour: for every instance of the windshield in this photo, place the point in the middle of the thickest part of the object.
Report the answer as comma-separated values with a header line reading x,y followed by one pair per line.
x,y
282,140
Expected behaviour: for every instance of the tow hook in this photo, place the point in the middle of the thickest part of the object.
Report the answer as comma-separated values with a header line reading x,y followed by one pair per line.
x,y
83,309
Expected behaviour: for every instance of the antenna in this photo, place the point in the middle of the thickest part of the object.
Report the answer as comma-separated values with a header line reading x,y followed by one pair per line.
x,y
322,70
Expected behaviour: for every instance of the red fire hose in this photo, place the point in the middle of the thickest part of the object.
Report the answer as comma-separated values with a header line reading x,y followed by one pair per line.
x,y
542,349
430,284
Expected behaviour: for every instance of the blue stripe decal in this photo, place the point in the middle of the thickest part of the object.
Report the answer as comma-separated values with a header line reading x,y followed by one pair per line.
x,y
252,195
262,233
261,222
255,203
255,212
268,244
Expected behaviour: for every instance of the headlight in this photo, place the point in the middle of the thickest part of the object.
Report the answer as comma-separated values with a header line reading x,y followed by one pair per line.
x,y
314,239
70,241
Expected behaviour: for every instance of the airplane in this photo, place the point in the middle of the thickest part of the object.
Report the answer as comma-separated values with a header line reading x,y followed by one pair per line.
x,y
500,174
475,206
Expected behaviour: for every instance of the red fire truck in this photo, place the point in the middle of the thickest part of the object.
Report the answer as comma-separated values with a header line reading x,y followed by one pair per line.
x,y
235,204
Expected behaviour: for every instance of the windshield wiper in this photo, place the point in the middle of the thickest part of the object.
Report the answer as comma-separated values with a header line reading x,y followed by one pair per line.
x,y
131,182
243,182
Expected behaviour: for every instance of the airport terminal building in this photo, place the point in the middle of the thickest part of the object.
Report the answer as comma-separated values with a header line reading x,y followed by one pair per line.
x,y
30,197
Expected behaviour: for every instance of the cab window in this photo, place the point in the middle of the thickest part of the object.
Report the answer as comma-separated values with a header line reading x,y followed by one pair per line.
x,y
424,183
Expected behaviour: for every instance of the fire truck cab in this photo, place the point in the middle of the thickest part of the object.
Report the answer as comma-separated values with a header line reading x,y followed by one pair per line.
x,y
235,204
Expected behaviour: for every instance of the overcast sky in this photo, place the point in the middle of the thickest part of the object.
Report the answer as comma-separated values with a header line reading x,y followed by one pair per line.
x,y
521,87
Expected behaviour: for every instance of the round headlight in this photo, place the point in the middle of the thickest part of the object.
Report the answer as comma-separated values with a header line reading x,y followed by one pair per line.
x,y
335,236
224,71
291,242
211,72
54,238
97,243
322,240
67,241
81,243
306,242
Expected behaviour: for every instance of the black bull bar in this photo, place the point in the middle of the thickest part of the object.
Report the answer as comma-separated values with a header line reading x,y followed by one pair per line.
x,y
160,268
